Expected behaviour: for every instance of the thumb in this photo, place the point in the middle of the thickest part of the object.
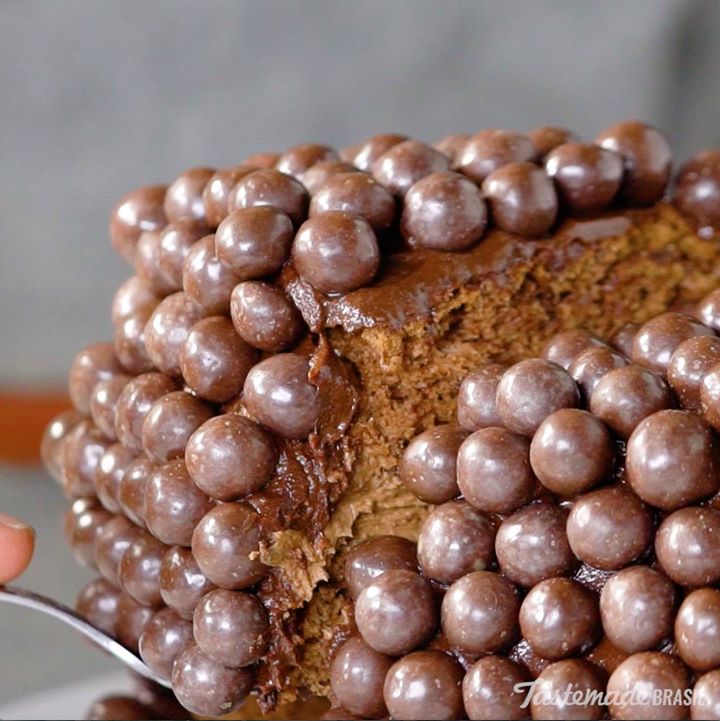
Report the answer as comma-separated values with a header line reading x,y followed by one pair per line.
x,y
17,542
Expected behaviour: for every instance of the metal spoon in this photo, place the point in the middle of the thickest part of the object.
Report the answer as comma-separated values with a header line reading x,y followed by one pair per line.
x,y
28,599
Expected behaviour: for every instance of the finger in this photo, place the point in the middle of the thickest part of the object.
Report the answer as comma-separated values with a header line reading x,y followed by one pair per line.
x,y
17,542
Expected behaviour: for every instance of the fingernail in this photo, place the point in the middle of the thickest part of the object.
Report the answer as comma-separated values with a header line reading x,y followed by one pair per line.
x,y
15,523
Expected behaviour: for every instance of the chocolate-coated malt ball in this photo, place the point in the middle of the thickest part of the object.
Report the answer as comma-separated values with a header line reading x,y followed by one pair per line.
x,y
530,391
569,689
163,639
231,627
428,465
176,240
591,365
671,460
214,360
109,475
480,613
278,394
405,163
82,522
443,211
425,685
81,453
112,708
687,545
171,421
397,613
493,470
706,697
139,211
336,252
111,542
270,188
698,189
549,137
489,690
97,603
103,402
129,342
647,158
357,675
147,264
182,583
131,491
230,456
489,150
708,310
314,178
609,528
657,340
174,505
54,437
91,365
522,199
563,348
139,570
690,363
217,192
205,687
254,242
452,145
625,396
372,557
226,546
134,404
357,193
184,196
637,683
710,397
571,452
586,176
207,281
476,398
300,158
455,539
367,153
532,545
637,608
697,629
622,339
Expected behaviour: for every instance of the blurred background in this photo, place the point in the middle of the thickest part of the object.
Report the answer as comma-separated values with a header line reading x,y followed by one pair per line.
x,y
97,98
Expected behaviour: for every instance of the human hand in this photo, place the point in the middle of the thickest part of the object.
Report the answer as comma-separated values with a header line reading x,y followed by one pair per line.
x,y
17,542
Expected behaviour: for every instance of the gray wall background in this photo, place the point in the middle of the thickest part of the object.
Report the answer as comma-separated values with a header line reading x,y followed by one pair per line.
x,y
98,97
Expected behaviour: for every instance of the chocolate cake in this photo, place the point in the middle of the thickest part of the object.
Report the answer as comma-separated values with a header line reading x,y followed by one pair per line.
x,y
269,428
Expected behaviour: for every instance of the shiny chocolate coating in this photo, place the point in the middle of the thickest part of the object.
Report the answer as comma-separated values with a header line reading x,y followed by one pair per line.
x,y
710,396
109,475
81,453
587,177
647,158
97,603
206,688
278,394
230,456
671,459
591,365
571,452
428,464
174,505
95,363
172,419
217,192
139,570
690,363
706,697
103,402
147,264
622,339
231,627
138,211
184,196
687,545
558,684
697,629
404,164
254,242
81,525
424,685
480,613
642,676
357,675
443,211
214,360
625,396
609,528
396,612
264,316
657,340
559,618
53,439
167,330
493,470
129,342
530,391
488,150
370,558
131,491
111,542
455,539
225,544
489,690
476,398
637,608
176,241
708,310
271,188
548,137
314,178
367,153
261,160
563,348
522,199
300,158
336,252
207,281
532,545
134,404
452,145
114,707
697,192
182,583
164,637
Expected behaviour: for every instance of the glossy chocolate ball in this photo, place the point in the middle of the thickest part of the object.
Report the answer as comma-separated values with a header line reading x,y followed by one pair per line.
x,y
109,475
697,629
111,542
97,603
710,397
139,211
182,583
82,522
372,557
206,280
622,339
131,491
489,690
270,188
139,570
226,546
690,363
591,365
698,189
81,453
548,137
164,637
53,439
489,150
476,398
298,159
261,160
147,265
706,697
103,402
404,164
708,310
217,192
184,196
367,153
452,145
564,348
569,689
314,178
91,365
176,241
129,342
